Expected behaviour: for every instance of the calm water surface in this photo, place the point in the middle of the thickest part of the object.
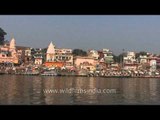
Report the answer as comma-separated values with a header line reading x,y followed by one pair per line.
x,y
29,90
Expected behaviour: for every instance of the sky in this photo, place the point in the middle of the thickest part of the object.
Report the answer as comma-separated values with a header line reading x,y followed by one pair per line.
x,y
115,32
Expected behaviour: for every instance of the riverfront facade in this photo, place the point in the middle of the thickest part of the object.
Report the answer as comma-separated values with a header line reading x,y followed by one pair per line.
x,y
95,62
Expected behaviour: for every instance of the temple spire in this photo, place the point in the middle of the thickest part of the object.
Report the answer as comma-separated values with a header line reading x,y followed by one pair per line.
x,y
51,48
12,43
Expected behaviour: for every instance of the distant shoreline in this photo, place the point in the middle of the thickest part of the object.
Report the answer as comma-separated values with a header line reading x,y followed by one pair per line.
x,y
83,76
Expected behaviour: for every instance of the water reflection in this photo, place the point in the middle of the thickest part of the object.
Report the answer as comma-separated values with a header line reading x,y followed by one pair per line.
x,y
154,91
28,90
140,91
57,83
82,85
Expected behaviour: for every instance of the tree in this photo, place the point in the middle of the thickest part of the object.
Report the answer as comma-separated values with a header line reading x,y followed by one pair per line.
x,y
44,51
116,58
2,34
79,52
140,53
119,58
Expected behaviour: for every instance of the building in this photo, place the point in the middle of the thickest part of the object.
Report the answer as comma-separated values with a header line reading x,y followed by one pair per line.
x,y
28,56
108,56
24,54
115,66
94,54
20,53
153,65
59,56
64,55
105,58
54,64
156,59
8,53
130,58
130,66
37,56
143,59
129,61
38,59
85,62
101,64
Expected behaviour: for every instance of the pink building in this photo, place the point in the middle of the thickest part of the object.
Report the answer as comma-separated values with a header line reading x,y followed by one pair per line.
x,y
8,53
85,62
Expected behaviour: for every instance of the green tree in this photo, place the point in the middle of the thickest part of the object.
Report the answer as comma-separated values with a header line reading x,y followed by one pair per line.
x,y
2,34
44,51
119,58
116,58
79,52
140,53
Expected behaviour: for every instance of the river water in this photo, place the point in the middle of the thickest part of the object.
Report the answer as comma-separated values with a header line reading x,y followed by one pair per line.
x,y
49,90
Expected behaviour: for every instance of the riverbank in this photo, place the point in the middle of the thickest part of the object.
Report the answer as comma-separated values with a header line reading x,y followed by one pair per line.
x,y
77,75
42,71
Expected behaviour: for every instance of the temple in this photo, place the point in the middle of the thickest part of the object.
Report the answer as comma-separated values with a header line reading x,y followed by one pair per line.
x,y
8,52
50,53
58,57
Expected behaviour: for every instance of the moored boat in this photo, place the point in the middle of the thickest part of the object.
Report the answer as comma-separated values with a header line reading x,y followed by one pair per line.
x,y
30,73
49,73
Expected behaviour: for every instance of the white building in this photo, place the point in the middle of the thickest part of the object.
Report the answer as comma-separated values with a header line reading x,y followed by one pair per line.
x,y
143,59
59,55
129,61
130,58
94,54
153,65
108,56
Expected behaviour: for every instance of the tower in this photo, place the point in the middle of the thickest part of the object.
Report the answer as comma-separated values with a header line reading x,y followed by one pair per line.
x,y
12,44
50,53
12,50
12,47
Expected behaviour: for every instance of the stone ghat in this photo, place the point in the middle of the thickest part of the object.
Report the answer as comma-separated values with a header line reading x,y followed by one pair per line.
x,y
80,75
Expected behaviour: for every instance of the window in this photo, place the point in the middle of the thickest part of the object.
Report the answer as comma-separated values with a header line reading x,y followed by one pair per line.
x,y
63,58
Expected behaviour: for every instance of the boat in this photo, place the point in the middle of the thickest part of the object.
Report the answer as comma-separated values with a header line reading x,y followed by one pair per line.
x,y
117,76
49,73
30,73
